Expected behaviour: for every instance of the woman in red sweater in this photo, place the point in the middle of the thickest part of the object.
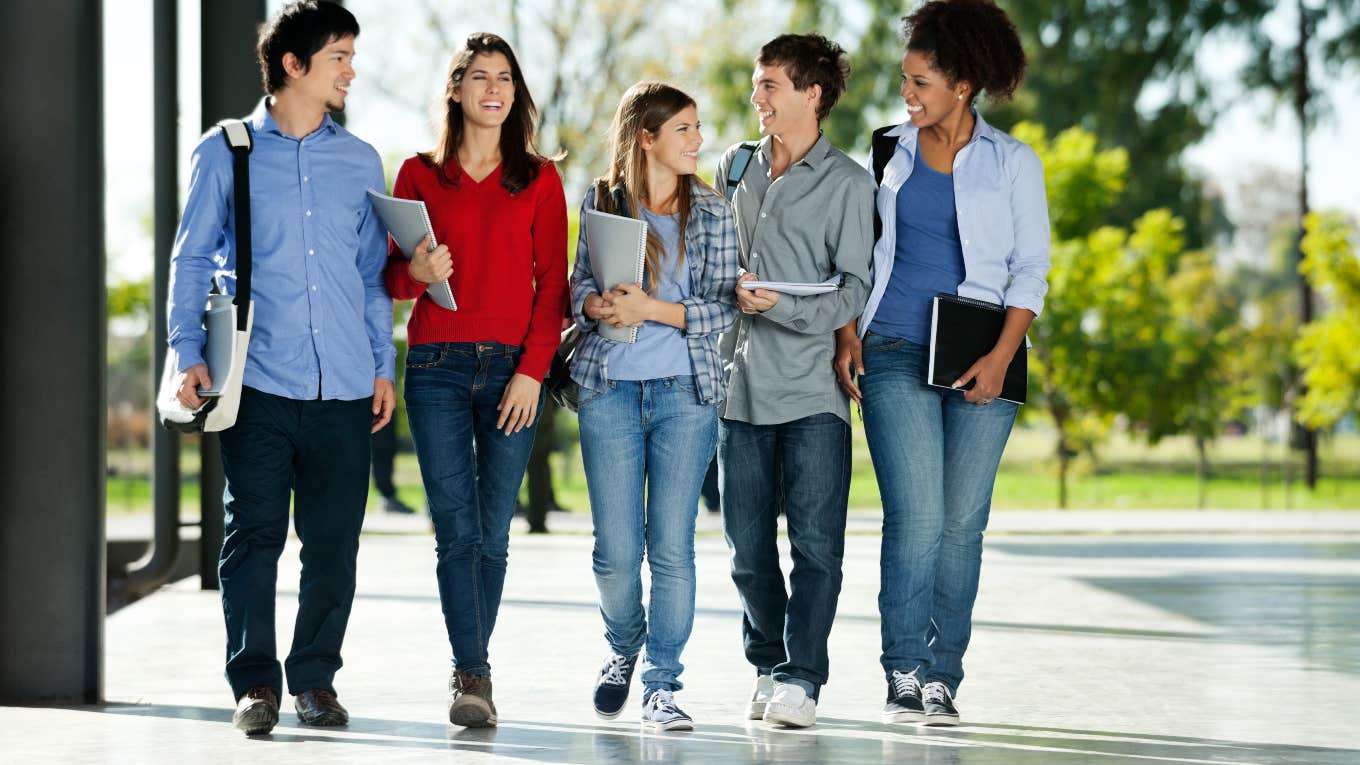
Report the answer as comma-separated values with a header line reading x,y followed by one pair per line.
x,y
474,375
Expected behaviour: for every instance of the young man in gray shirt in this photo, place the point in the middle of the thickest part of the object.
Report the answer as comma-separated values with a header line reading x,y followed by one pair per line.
x,y
804,213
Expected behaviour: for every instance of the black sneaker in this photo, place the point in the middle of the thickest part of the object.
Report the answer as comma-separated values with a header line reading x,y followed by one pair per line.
x,y
395,506
611,687
939,704
904,699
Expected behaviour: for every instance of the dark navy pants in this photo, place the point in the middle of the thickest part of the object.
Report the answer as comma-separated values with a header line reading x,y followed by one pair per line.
x,y
317,452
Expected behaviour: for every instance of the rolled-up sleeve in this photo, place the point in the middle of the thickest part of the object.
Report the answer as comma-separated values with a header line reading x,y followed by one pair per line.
x,y
200,247
1028,263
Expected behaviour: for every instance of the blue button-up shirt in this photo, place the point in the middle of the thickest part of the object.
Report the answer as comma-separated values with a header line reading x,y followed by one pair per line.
x,y
323,321
1002,214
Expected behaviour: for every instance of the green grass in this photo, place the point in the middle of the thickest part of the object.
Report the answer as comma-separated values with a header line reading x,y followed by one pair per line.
x,y
1130,475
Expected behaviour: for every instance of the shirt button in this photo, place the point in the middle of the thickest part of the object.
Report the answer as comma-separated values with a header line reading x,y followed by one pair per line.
x,y
764,215
306,178
965,241
316,331
311,252
313,288
309,213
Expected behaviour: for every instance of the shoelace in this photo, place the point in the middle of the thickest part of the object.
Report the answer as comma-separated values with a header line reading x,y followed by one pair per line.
x,y
663,701
906,684
324,698
468,683
936,693
614,670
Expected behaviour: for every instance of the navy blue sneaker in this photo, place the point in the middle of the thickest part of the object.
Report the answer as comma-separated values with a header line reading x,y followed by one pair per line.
x,y
904,699
611,687
939,705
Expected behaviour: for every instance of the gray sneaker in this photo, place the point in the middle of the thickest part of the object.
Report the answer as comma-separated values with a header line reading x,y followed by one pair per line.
x,y
470,703
257,712
939,704
659,712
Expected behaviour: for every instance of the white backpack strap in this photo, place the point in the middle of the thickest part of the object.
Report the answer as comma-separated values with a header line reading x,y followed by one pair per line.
x,y
238,135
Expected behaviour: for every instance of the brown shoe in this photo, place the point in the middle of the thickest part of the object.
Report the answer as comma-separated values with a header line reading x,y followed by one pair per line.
x,y
257,712
320,707
470,703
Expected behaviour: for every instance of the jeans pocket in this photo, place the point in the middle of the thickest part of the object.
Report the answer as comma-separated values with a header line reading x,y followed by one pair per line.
x,y
875,342
586,396
424,356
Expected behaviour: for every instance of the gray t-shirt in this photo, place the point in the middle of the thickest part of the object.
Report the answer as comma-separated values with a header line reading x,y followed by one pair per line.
x,y
814,221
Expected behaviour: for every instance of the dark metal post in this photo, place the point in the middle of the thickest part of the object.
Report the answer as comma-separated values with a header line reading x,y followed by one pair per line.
x,y
230,79
165,484
1307,437
52,325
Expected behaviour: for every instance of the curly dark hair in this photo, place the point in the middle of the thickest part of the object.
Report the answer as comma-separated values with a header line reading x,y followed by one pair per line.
x,y
809,60
970,40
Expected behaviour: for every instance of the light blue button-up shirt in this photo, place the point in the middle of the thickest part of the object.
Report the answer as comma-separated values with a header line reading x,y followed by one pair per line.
x,y
1003,219
323,320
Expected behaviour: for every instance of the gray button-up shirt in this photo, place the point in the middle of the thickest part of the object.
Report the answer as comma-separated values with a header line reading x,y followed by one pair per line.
x,y
814,221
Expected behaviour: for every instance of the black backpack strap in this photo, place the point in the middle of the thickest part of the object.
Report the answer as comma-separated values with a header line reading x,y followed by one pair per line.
x,y
881,149
735,171
239,139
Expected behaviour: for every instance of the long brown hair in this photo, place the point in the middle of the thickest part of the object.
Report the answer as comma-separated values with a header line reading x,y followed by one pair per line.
x,y
645,107
520,157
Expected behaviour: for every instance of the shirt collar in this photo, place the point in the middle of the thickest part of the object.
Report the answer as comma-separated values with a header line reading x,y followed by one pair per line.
x,y
262,121
907,133
706,199
819,151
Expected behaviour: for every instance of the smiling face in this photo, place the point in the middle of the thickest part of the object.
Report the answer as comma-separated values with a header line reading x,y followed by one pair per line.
x,y
928,93
780,107
326,82
675,145
487,91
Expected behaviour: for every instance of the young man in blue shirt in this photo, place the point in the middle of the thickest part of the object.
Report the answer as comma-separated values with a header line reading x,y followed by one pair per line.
x,y
320,367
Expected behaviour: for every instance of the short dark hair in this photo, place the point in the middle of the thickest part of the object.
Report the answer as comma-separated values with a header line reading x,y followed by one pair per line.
x,y
970,40
301,28
809,60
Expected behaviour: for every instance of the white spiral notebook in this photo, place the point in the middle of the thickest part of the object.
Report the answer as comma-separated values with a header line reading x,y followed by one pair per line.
x,y
408,221
618,250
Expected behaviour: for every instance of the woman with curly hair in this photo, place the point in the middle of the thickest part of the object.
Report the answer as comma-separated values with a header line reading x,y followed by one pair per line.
x,y
963,212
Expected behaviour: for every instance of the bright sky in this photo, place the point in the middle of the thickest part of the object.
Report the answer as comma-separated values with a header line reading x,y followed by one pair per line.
x,y
1252,136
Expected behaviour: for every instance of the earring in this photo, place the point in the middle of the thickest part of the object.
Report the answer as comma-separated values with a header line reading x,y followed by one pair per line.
x,y
960,96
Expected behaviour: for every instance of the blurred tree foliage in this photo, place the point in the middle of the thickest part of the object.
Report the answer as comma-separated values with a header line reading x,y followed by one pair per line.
x,y
1328,348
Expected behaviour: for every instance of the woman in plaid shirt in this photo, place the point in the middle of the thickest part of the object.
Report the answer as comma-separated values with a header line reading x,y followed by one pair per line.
x,y
649,409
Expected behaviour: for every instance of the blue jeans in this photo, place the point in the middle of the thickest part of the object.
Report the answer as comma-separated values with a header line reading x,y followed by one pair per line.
x,y
802,469
472,472
317,452
936,457
653,434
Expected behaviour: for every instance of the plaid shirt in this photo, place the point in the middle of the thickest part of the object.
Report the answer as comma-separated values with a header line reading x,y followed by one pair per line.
x,y
710,310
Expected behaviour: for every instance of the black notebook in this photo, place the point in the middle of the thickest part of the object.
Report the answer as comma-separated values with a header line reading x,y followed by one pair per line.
x,y
963,330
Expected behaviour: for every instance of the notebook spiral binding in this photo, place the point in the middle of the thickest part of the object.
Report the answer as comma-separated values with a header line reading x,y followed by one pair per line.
x,y
641,268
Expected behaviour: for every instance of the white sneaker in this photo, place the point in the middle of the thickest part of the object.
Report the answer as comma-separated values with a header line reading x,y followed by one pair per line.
x,y
760,696
660,713
790,706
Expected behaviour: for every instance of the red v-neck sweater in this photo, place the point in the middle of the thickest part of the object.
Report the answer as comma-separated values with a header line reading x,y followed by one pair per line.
x,y
509,262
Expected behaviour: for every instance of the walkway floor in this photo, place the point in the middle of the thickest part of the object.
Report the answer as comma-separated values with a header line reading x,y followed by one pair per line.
x,y
1187,638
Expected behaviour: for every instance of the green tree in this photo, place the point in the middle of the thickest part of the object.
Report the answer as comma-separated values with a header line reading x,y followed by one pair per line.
x,y
1126,72
1205,384
1070,345
1326,347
